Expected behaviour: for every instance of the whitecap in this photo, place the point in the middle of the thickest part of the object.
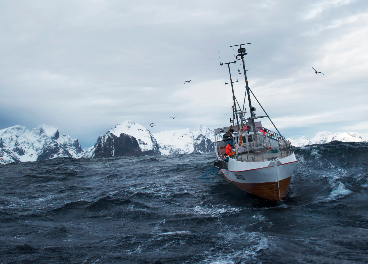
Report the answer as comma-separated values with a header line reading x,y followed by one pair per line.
x,y
338,191
247,252
314,153
214,211
175,233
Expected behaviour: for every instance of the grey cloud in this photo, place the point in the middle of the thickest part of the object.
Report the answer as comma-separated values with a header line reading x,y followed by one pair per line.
x,y
84,66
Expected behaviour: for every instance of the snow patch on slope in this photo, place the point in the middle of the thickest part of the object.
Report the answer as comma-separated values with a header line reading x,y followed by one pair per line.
x,y
182,141
18,144
143,135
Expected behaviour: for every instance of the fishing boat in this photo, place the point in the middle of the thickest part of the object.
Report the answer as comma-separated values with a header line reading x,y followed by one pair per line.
x,y
256,159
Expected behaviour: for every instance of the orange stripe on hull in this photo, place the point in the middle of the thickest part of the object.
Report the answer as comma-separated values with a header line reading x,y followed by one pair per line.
x,y
267,190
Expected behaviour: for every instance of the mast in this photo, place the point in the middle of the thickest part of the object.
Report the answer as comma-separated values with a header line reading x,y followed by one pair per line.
x,y
241,54
232,89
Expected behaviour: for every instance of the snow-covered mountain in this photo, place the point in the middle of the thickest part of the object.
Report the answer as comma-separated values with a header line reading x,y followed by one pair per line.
x,y
326,137
200,139
126,138
18,144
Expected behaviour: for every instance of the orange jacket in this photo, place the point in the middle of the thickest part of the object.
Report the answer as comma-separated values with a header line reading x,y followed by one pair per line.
x,y
227,149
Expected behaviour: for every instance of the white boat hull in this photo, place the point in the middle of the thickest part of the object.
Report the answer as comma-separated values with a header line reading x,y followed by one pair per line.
x,y
269,179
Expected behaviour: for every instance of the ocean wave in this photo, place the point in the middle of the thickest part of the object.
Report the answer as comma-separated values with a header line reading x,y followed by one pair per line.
x,y
338,191
107,202
214,211
121,209
246,251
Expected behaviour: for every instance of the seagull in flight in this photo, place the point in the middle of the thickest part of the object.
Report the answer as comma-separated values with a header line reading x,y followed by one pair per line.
x,y
173,117
316,70
152,125
187,81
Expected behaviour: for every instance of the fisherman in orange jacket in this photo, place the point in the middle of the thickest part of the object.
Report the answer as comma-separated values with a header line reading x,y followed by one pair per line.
x,y
227,149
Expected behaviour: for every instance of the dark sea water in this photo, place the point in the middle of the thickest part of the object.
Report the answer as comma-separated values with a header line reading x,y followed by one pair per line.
x,y
159,210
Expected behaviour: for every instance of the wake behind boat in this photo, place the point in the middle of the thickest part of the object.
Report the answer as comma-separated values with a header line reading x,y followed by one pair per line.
x,y
252,157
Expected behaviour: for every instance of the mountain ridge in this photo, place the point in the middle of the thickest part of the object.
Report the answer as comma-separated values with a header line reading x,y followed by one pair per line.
x,y
18,144
323,137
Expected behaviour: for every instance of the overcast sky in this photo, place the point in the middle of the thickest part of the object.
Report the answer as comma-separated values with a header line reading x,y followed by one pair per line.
x,y
84,66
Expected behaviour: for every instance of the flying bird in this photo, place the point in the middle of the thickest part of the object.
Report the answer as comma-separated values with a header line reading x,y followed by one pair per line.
x,y
316,70
187,81
152,125
173,117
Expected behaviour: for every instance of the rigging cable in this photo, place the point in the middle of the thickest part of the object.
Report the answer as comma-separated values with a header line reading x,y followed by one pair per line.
x,y
265,113
237,103
245,96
